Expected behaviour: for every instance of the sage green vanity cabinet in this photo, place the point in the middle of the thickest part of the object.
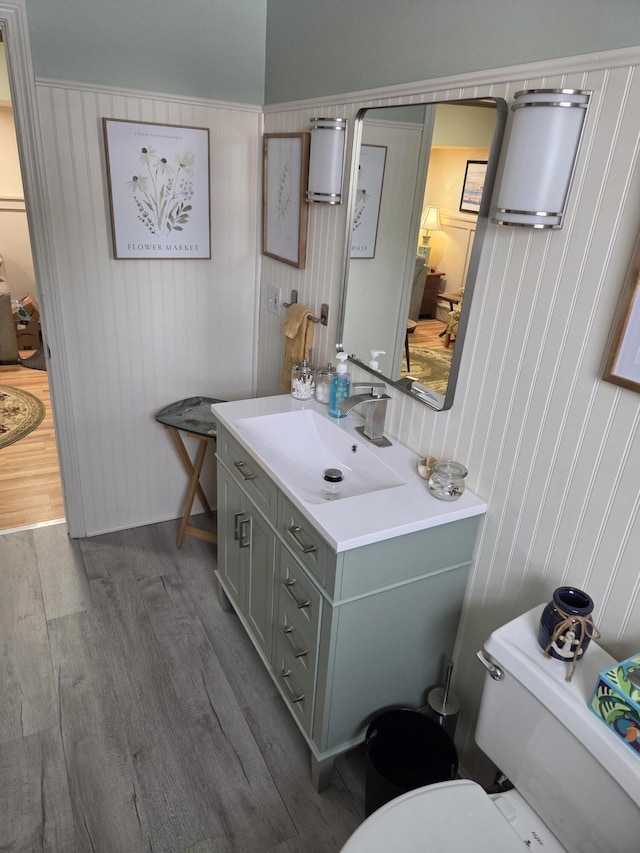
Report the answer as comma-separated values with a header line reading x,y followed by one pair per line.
x,y
246,540
246,552
351,631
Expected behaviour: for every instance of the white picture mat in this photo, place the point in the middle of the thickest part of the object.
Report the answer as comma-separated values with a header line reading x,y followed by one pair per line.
x,y
159,189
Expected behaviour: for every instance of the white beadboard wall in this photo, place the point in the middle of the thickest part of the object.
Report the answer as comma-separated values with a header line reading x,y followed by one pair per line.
x,y
552,448
139,335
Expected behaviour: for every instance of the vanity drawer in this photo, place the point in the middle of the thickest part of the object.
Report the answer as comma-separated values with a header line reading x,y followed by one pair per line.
x,y
302,653
308,546
297,597
242,466
297,687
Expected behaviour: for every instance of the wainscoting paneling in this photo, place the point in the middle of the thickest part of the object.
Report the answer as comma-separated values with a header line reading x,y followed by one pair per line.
x,y
140,334
553,449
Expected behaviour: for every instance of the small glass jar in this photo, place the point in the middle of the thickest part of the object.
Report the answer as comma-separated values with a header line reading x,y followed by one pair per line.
x,y
447,480
332,488
303,384
324,377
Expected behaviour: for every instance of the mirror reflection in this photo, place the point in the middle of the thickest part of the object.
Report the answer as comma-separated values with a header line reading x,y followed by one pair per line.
x,y
419,201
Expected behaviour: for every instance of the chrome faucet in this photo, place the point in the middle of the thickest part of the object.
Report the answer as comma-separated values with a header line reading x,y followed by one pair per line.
x,y
376,400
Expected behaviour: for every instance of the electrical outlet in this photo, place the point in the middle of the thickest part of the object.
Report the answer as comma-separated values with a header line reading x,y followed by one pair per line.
x,y
274,300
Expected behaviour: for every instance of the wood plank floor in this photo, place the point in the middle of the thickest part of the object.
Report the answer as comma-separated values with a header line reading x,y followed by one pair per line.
x,y
30,487
427,335
136,715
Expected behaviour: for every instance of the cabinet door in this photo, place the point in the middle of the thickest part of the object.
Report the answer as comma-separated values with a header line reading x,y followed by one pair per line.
x,y
260,580
232,524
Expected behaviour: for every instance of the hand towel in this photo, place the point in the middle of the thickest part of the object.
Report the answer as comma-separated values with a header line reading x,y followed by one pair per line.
x,y
298,340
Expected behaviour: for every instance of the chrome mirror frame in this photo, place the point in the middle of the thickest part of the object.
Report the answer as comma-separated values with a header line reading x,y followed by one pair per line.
x,y
423,395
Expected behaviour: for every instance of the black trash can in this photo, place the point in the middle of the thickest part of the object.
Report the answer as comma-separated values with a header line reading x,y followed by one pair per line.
x,y
405,750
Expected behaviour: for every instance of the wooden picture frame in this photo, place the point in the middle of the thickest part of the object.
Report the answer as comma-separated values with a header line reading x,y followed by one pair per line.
x,y
473,185
285,170
623,362
364,229
158,177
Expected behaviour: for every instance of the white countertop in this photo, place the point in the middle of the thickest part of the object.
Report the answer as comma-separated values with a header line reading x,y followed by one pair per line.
x,y
363,519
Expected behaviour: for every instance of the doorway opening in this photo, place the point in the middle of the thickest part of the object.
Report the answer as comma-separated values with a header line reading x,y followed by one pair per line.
x,y
30,483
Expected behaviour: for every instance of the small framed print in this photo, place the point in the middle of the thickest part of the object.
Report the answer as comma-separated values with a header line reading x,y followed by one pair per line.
x,y
623,363
158,177
473,186
284,211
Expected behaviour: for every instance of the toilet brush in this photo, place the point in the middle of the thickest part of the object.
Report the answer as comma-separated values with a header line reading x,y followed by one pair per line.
x,y
443,705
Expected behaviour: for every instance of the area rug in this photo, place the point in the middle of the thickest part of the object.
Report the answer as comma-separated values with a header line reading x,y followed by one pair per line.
x,y
35,361
430,367
20,414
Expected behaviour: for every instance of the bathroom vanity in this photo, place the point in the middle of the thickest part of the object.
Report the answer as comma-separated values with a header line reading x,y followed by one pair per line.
x,y
352,601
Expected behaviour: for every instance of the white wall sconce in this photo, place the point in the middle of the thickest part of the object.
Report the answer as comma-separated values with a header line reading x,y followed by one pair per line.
x,y
543,147
326,160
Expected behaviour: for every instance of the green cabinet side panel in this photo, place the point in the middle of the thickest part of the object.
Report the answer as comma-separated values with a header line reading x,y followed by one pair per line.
x,y
385,649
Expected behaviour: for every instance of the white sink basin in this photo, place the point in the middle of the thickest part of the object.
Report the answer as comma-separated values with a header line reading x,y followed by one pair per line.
x,y
300,446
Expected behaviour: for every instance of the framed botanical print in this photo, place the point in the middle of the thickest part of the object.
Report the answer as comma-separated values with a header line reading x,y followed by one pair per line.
x,y
364,230
158,177
284,210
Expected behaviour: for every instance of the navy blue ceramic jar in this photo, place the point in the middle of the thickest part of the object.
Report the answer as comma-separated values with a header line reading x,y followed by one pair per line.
x,y
573,607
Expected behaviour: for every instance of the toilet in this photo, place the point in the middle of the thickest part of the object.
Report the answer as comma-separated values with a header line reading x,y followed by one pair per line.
x,y
576,784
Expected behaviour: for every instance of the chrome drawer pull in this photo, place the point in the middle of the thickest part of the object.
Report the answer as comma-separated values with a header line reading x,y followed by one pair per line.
x,y
288,587
306,548
297,653
246,475
242,529
285,673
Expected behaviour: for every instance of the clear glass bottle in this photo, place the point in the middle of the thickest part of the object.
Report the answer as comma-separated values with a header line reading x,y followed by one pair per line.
x,y
447,480
303,383
324,378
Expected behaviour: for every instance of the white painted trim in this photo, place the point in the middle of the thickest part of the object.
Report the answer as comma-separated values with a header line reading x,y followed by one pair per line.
x,y
74,86
13,20
618,58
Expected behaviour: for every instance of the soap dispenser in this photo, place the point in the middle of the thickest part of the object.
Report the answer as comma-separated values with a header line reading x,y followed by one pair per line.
x,y
373,363
340,387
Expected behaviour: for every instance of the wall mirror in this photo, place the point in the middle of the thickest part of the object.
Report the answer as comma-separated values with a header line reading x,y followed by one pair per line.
x,y
419,200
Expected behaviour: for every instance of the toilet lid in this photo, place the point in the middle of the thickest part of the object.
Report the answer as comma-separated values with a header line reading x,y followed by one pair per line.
x,y
448,816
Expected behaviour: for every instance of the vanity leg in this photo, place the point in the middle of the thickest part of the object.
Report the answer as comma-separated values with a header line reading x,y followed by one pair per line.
x,y
223,598
321,773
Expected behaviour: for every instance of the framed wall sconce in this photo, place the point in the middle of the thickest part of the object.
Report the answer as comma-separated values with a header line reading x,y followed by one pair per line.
x,y
541,155
326,160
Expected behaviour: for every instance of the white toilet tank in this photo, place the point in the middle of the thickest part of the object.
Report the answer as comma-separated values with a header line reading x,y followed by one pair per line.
x,y
537,728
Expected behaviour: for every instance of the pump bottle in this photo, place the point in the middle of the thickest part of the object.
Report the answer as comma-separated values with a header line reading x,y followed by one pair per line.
x,y
373,363
340,387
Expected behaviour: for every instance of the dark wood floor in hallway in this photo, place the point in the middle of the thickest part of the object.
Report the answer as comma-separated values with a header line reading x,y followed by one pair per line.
x,y
136,715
